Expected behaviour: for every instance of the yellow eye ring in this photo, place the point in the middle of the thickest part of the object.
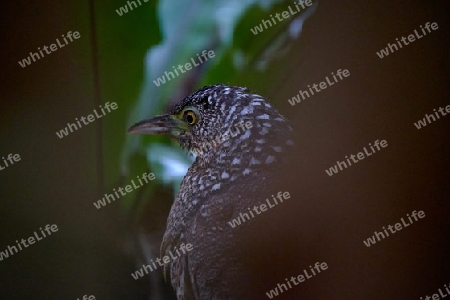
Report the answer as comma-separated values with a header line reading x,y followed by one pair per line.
x,y
190,117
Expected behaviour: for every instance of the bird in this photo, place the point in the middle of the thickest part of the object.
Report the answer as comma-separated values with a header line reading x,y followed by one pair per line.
x,y
239,141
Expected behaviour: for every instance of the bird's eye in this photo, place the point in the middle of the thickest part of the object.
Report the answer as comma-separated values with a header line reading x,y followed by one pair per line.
x,y
190,117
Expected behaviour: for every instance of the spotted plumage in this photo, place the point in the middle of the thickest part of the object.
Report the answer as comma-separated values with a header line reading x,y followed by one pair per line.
x,y
239,140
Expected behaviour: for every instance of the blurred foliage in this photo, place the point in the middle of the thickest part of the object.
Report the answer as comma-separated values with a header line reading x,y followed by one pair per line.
x,y
137,48
177,32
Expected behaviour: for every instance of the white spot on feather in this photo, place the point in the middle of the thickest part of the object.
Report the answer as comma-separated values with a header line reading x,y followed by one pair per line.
x,y
270,159
264,131
277,148
254,161
247,110
245,135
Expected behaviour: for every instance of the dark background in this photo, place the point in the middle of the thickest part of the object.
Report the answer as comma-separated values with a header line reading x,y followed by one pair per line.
x,y
57,180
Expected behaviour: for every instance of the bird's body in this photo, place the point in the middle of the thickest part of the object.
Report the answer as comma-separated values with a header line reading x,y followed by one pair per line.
x,y
231,174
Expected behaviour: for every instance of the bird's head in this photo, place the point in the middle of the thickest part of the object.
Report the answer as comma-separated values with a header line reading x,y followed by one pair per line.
x,y
217,117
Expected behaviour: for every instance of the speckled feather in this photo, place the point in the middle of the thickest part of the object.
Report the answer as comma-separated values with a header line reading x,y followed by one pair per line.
x,y
222,182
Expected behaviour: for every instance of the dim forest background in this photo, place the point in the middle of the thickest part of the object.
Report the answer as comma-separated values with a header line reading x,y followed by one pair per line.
x,y
116,60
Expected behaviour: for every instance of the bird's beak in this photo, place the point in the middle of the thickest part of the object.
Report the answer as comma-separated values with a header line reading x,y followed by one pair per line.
x,y
168,125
